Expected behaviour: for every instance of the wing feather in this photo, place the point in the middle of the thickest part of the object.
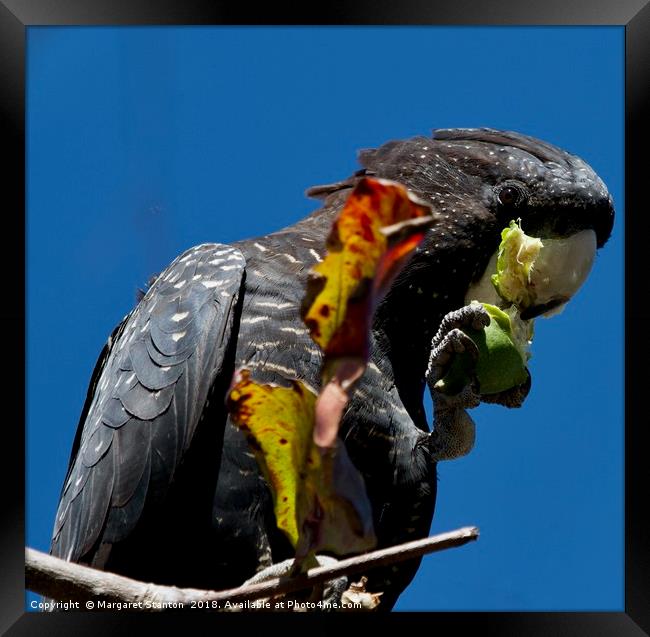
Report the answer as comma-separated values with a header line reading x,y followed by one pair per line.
x,y
146,398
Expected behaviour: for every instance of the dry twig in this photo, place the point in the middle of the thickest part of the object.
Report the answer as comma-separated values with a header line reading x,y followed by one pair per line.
x,y
65,581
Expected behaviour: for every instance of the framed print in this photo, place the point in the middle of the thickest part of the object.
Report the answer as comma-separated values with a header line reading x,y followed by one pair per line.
x,y
138,134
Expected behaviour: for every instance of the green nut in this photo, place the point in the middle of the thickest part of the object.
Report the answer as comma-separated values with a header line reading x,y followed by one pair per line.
x,y
502,358
515,262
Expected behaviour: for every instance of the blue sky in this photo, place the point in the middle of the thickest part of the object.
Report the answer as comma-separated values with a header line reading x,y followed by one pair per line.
x,y
142,142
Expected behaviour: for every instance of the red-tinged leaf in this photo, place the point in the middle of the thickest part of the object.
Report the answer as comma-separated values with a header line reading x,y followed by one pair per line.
x,y
343,290
334,397
393,260
340,518
278,423
319,497
330,404
373,237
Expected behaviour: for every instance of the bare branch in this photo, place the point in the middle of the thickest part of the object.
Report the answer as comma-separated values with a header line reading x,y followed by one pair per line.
x,y
61,580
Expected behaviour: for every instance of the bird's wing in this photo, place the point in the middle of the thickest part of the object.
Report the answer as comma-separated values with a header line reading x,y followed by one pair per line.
x,y
146,397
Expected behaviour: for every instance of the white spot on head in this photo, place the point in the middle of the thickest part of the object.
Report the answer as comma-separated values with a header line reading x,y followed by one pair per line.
x,y
177,336
179,316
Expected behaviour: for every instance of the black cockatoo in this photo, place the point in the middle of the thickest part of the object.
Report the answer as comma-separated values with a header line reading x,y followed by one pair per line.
x,y
163,487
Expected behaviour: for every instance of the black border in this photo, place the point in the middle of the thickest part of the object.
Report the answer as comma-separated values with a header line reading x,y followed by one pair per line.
x,y
15,15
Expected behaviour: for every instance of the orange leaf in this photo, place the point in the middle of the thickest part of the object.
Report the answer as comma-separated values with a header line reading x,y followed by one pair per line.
x,y
375,234
320,497
343,290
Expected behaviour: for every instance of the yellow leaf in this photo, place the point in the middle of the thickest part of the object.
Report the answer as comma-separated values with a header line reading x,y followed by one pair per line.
x,y
278,422
343,290
319,497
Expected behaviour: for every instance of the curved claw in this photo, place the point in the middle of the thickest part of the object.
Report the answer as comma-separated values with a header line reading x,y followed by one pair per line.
x,y
328,592
467,398
473,315
449,341
454,432
454,342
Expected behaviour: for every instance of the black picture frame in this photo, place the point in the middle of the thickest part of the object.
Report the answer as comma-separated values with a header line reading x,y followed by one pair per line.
x,y
634,15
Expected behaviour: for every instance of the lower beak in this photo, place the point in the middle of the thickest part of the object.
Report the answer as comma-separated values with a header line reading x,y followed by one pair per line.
x,y
552,307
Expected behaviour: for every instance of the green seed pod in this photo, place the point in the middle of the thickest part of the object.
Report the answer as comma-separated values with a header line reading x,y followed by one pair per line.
x,y
502,358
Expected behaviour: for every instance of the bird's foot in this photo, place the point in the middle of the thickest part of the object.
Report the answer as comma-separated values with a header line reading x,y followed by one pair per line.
x,y
511,398
328,593
454,432
449,342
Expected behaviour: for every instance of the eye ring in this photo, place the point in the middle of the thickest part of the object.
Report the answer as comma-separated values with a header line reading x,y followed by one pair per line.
x,y
508,196
511,194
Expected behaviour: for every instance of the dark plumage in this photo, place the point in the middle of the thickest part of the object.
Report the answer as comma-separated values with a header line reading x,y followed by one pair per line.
x,y
162,487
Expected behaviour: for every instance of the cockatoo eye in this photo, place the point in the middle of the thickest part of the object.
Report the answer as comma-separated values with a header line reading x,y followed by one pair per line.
x,y
511,194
